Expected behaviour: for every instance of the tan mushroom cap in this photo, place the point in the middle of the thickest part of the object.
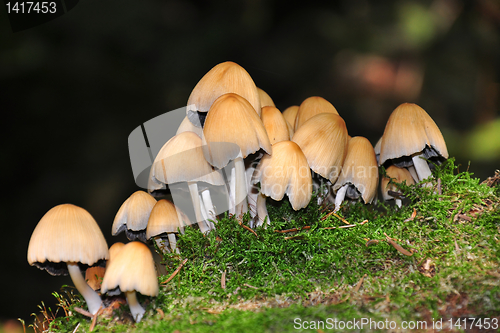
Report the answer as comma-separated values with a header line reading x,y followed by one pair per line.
x,y
312,106
115,249
133,213
67,233
165,219
133,269
275,124
226,77
400,175
232,121
181,159
93,276
323,140
290,114
360,168
408,131
285,171
265,99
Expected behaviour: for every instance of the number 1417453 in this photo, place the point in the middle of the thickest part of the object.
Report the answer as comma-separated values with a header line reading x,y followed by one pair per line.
x,y
31,7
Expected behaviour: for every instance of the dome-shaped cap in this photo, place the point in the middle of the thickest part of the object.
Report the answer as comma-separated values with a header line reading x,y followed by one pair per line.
x,y
67,233
132,269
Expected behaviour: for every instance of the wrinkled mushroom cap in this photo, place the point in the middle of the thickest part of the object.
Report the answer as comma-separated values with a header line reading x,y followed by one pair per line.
x,y
165,219
132,269
134,213
226,77
285,171
66,233
410,130
360,168
290,114
310,107
265,99
181,159
323,140
275,124
231,126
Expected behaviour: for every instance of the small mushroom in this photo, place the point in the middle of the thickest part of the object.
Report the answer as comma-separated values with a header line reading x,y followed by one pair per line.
x,y
359,176
285,171
399,175
410,138
133,215
226,77
65,237
232,132
323,140
290,114
132,270
166,219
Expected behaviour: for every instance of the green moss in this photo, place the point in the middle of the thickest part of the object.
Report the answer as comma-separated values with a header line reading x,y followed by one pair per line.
x,y
313,274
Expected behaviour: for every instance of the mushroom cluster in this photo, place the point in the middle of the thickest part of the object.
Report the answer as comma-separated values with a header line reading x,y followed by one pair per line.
x,y
235,141
261,152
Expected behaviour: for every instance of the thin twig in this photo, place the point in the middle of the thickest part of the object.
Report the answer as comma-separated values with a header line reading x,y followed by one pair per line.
x,y
356,289
249,229
293,229
398,247
341,227
223,280
175,272
249,286
76,328
413,215
83,312
94,319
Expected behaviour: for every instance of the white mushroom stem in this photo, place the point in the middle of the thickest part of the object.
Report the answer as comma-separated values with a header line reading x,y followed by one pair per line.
x,y
173,243
135,308
241,204
193,190
413,173
421,167
340,196
262,210
204,213
162,244
209,206
253,191
398,202
232,191
91,297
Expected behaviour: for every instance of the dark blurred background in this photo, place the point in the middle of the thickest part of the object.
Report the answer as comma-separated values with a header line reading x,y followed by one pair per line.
x,y
74,88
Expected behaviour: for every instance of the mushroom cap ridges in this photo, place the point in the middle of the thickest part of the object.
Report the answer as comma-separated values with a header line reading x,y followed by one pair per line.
x,y
285,171
323,140
265,99
133,213
408,131
230,127
132,269
226,77
275,124
165,218
181,159
312,106
67,233
360,168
